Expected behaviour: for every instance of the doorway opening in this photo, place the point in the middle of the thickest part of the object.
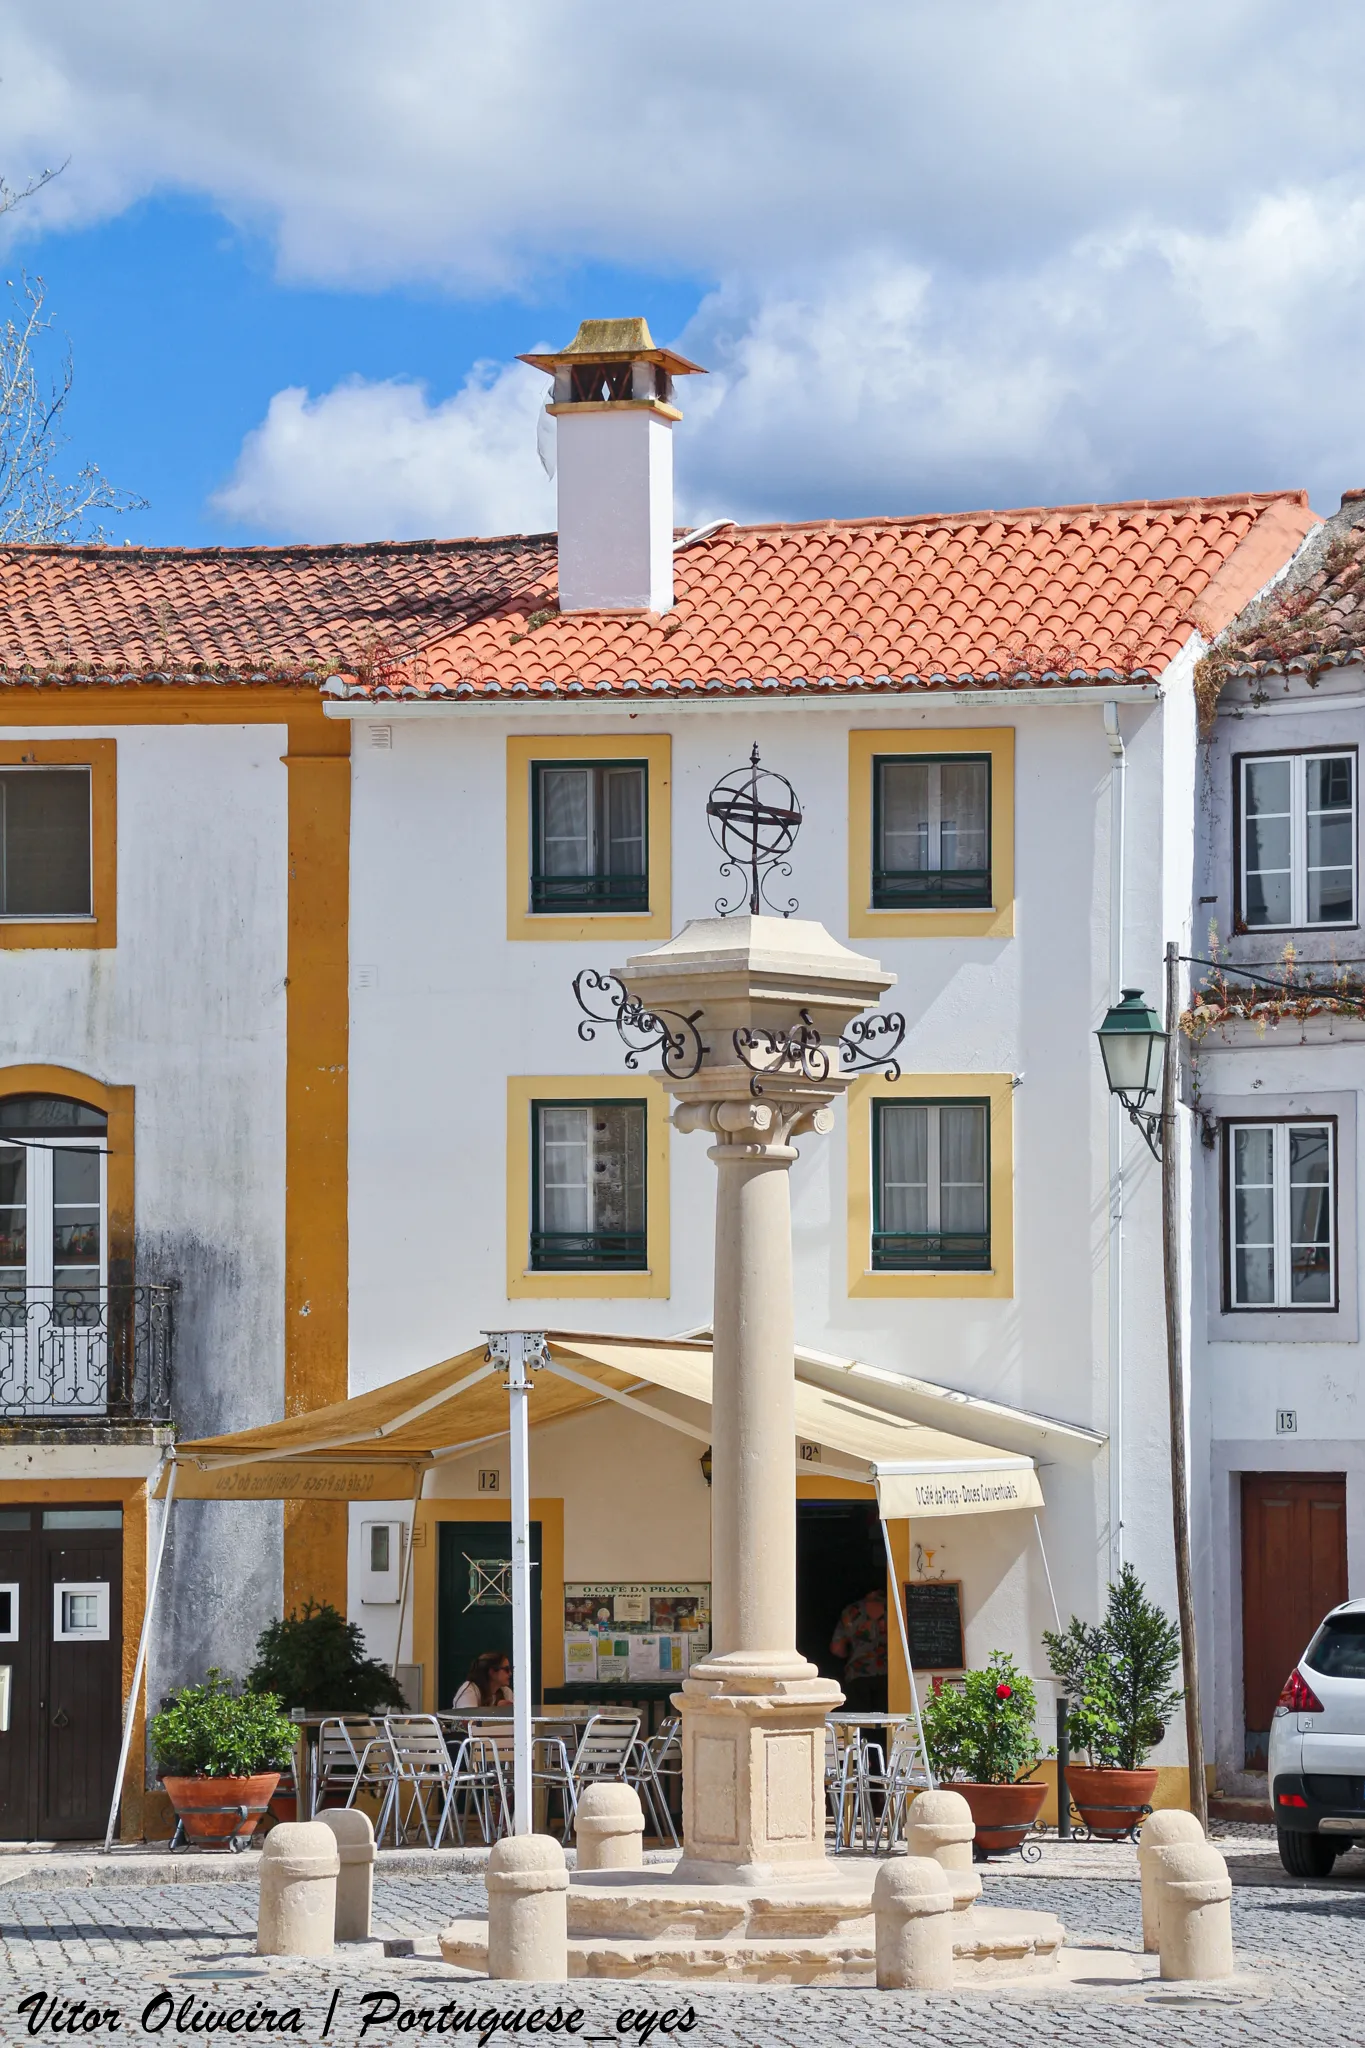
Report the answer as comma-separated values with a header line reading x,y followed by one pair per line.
x,y
474,1602
839,1559
61,1664
1293,1571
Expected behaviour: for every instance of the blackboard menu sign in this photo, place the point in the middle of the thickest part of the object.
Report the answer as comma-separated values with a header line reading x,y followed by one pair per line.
x,y
933,1611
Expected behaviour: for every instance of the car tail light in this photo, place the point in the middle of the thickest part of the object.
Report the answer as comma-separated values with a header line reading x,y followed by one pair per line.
x,y
1298,1695
1292,1799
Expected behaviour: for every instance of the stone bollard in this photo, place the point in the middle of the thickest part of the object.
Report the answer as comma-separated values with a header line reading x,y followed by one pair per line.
x,y
1159,1831
940,1825
1195,1912
912,1904
610,1828
528,1939
354,1832
298,1902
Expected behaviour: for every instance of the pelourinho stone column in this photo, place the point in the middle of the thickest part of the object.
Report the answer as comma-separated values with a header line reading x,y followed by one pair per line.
x,y
754,1711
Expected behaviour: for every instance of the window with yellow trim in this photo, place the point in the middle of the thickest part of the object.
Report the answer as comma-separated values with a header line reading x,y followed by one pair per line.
x,y
589,831
587,1187
931,834
931,1186
57,843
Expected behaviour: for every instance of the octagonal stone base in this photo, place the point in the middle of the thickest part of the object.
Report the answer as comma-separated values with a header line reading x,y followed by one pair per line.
x,y
811,1928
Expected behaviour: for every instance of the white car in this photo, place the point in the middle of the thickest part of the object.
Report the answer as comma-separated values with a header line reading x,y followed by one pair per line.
x,y
1317,1747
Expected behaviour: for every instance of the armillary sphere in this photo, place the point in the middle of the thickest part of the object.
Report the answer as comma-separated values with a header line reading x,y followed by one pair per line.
x,y
754,818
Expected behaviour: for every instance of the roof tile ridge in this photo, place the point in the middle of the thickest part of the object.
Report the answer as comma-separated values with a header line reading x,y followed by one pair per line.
x,y
265,551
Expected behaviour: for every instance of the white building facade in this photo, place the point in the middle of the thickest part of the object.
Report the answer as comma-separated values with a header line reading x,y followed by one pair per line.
x,y
1274,1072
344,857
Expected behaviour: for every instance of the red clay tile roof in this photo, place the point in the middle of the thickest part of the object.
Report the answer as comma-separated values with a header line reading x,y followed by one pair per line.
x,y
1050,595
1314,619
296,614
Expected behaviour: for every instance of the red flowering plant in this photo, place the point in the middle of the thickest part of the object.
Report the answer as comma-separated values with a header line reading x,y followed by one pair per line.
x,y
984,1732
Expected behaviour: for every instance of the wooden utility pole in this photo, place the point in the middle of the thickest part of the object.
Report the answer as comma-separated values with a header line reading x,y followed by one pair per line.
x,y
1175,1377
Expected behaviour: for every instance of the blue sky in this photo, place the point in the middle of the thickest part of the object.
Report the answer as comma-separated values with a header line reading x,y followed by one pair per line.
x,y
933,258
180,333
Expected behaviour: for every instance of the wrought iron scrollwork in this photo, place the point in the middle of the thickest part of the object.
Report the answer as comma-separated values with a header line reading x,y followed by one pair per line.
x,y
869,1042
865,1043
798,1050
754,818
674,1037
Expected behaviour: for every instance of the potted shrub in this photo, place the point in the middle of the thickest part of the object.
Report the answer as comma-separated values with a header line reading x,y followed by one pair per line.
x,y
315,1662
218,1752
1118,1680
982,1742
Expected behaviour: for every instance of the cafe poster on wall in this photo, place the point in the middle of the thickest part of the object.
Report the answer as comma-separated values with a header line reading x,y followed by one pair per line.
x,y
617,1633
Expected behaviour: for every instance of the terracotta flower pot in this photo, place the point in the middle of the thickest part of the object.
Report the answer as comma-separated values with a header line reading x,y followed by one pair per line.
x,y
284,1804
1003,1813
197,1800
1110,1802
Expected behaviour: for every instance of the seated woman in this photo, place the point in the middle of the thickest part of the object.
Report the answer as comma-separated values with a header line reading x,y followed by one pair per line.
x,y
489,1684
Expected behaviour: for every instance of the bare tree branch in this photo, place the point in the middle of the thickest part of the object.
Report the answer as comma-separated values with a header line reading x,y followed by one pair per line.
x,y
37,502
10,198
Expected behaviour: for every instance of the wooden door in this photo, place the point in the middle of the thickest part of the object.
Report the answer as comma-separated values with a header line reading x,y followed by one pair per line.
x,y
474,1608
80,1601
19,1655
1293,1571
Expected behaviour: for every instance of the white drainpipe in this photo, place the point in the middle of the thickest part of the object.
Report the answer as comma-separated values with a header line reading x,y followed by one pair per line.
x,y
1116,861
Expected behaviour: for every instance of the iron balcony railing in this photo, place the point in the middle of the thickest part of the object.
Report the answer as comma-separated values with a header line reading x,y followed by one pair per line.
x,y
589,892
931,1251
74,1354
931,888
590,1251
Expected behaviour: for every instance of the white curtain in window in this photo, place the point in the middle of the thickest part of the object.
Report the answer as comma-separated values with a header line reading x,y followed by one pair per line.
x,y
906,799
962,1167
962,808
566,821
905,1166
565,1169
624,791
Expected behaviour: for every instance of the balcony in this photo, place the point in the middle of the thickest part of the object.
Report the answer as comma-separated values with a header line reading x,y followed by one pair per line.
x,y
86,1355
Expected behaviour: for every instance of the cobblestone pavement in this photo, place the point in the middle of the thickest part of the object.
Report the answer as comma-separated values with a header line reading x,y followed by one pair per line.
x,y
1301,1949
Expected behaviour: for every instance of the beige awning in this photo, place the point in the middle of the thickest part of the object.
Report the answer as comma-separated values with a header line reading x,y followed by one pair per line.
x,y
377,1445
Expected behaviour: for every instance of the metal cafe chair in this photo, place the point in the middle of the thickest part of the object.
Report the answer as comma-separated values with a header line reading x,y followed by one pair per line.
x,y
349,1757
893,1777
656,1763
844,1786
602,1756
489,1763
421,1767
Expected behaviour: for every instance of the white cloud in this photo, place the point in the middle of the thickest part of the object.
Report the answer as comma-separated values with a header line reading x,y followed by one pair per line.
x,y
954,256
369,459
473,142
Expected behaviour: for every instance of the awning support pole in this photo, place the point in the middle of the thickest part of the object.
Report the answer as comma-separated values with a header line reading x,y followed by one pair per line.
x,y
139,1663
418,1478
519,1351
1042,1550
894,1591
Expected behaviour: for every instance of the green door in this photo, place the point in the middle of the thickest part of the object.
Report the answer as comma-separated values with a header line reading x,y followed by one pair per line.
x,y
474,1602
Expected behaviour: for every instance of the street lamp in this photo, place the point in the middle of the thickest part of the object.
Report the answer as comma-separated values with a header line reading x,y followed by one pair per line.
x,y
1133,1046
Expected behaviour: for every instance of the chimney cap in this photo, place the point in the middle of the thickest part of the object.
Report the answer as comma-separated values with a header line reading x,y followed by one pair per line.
x,y
615,341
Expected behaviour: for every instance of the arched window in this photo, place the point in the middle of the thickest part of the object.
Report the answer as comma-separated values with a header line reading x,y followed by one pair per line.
x,y
53,1254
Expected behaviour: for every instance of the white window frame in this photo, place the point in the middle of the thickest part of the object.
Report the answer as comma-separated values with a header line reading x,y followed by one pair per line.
x,y
66,1588
11,1634
40,1206
55,768
381,1588
1280,1129
1298,839
934,1171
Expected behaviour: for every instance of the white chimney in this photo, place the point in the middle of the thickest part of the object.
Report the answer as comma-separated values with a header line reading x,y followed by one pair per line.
x,y
614,413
